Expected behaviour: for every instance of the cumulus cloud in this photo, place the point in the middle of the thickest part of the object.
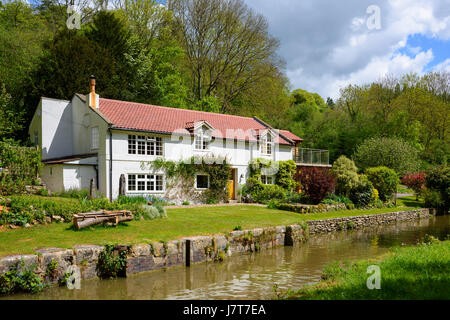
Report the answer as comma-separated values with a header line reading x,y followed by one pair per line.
x,y
328,45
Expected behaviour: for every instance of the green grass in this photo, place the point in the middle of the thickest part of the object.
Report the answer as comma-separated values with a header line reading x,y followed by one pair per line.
x,y
421,272
180,223
404,189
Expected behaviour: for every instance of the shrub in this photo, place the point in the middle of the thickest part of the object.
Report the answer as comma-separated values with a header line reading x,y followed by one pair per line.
x,y
433,199
336,199
414,181
132,200
20,279
285,175
438,180
362,194
110,265
383,179
269,192
295,197
346,175
393,153
316,183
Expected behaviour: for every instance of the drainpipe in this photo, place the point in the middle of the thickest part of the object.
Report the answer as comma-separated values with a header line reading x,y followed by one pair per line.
x,y
110,164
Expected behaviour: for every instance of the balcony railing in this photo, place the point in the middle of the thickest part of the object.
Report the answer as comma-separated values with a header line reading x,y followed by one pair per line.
x,y
312,156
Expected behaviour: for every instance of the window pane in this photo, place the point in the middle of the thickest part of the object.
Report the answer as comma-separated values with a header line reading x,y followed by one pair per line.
x,y
141,145
158,148
131,144
159,183
94,138
202,182
131,182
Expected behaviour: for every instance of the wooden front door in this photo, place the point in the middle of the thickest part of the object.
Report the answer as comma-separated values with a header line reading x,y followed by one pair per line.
x,y
231,185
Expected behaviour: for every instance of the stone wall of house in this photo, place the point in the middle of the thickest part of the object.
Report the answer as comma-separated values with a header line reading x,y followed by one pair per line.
x,y
155,256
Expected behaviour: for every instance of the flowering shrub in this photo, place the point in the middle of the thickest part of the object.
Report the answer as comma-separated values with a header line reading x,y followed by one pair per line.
x,y
414,181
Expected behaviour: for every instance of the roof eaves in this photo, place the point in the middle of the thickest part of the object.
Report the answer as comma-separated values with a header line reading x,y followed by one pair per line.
x,y
270,127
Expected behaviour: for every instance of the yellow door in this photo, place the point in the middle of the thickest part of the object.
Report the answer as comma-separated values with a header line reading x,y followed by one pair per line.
x,y
230,187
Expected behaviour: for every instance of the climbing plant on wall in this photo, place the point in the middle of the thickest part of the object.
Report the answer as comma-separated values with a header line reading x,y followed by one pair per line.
x,y
183,173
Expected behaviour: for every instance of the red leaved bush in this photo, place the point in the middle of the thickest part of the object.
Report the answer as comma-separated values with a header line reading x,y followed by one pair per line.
x,y
414,181
317,183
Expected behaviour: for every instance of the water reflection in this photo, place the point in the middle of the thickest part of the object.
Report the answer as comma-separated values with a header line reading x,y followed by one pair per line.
x,y
252,276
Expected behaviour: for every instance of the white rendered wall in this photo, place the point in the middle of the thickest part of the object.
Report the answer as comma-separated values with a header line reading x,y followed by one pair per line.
x,y
52,176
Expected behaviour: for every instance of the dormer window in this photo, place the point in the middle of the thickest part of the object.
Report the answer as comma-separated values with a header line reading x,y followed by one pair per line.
x,y
201,140
202,131
266,144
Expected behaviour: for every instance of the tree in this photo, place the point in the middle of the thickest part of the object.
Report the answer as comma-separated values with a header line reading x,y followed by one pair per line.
x,y
393,153
227,45
11,120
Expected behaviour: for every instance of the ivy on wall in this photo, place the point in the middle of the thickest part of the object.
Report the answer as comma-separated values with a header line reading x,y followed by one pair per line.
x,y
182,175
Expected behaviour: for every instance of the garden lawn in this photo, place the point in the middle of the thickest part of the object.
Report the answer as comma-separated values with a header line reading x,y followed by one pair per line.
x,y
409,273
180,223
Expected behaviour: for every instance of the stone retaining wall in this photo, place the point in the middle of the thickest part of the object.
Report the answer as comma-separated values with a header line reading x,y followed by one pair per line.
x,y
155,256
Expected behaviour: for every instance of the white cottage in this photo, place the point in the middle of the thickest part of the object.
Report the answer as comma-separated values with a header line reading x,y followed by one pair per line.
x,y
95,138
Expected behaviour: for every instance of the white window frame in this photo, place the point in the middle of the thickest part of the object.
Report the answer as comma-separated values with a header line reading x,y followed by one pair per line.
x,y
265,180
267,145
143,145
205,175
146,179
202,139
95,138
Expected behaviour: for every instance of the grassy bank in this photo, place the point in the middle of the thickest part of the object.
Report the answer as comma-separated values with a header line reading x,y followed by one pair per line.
x,y
180,223
421,272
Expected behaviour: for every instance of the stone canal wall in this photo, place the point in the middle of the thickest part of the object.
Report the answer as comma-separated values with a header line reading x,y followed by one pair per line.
x,y
155,256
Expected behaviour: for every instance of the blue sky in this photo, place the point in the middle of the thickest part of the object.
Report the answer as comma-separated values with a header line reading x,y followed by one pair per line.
x,y
419,42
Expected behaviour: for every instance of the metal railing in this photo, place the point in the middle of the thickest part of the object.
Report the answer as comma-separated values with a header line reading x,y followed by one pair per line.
x,y
312,156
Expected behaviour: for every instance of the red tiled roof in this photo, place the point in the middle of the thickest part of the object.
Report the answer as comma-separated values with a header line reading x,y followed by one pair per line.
x,y
144,117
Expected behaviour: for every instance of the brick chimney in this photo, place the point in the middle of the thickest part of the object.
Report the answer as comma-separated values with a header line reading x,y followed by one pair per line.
x,y
93,98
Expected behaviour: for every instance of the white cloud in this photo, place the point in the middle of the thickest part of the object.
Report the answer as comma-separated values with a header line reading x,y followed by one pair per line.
x,y
443,66
327,45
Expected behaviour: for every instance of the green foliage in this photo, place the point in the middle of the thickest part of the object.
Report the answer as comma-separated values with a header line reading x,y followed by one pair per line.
x,y
237,228
11,118
393,153
346,175
295,197
28,209
132,200
21,166
385,180
216,167
285,175
437,180
335,199
111,265
20,279
422,271
269,192
362,194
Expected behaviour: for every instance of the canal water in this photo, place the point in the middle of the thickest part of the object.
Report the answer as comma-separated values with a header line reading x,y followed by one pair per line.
x,y
253,275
